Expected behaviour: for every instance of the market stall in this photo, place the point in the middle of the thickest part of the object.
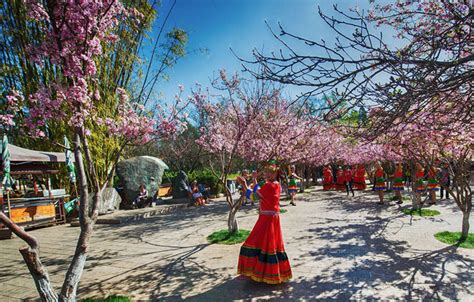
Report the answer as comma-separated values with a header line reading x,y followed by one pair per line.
x,y
26,194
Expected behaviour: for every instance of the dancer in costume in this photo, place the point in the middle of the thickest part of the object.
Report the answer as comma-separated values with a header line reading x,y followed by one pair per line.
x,y
262,256
246,193
398,182
379,182
348,180
419,184
359,178
255,187
340,179
433,184
292,185
328,180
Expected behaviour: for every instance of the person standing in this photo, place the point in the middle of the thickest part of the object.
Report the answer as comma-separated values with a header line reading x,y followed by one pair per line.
x,y
340,179
262,256
359,178
445,181
379,184
348,180
292,185
419,183
246,193
328,179
398,186
433,184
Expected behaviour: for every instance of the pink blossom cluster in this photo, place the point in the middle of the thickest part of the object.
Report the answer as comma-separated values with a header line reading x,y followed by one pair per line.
x,y
436,131
75,33
12,106
448,22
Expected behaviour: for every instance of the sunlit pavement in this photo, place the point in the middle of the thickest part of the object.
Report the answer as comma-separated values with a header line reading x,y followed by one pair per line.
x,y
340,248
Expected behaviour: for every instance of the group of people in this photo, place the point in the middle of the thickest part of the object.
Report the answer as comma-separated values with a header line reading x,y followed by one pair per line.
x,y
199,194
424,181
346,179
250,195
262,256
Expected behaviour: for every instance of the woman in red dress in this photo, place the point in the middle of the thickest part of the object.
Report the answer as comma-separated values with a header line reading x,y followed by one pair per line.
x,y
433,184
420,187
340,179
262,256
328,180
359,178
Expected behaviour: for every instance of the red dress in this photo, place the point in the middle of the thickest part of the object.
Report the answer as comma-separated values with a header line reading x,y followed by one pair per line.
x,y
398,180
340,180
359,179
379,180
328,181
348,175
262,256
419,184
433,184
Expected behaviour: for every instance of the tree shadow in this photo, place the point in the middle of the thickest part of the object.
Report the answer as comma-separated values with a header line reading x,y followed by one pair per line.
x,y
361,264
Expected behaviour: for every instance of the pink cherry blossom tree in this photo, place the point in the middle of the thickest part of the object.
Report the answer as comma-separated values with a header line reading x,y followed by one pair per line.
x,y
228,126
74,34
436,137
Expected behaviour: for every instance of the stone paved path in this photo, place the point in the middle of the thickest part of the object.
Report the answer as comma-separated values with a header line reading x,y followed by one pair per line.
x,y
340,248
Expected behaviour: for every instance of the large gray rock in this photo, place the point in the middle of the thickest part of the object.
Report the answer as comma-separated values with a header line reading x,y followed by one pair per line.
x,y
181,186
109,202
133,172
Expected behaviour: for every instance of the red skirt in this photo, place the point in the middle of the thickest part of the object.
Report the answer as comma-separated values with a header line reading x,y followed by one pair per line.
x,y
328,186
340,186
262,256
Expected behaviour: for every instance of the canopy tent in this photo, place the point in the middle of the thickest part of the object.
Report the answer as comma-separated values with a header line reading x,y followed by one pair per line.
x,y
19,154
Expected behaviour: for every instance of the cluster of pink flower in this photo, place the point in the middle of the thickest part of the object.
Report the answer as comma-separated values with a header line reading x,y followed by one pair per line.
x,y
447,21
74,35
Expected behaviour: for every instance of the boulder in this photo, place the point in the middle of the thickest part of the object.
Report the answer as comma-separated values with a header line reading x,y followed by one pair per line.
x,y
181,186
110,201
133,172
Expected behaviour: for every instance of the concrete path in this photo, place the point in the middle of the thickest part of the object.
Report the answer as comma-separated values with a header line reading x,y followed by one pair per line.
x,y
340,248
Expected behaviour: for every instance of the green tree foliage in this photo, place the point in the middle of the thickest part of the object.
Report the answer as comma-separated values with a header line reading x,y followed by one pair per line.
x,y
120,66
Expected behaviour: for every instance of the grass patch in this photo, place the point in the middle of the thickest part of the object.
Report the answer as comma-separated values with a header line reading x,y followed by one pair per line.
x,y
283,210
420,212
113,298
224,237
453,239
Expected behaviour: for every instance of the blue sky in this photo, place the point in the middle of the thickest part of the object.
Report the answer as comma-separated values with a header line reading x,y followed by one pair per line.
x,y
219,25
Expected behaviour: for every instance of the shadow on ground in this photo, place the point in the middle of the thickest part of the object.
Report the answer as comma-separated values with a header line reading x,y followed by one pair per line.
x,y
356,262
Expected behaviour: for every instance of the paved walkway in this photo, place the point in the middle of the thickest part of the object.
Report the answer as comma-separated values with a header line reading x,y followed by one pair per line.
x,y
340,248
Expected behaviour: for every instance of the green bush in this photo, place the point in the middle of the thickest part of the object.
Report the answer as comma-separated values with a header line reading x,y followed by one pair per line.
x,y
206,176
168,176
202,176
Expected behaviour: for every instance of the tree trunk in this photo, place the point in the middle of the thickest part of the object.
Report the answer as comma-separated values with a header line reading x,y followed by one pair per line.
x,y
39,274
413,200
465,225
233,225
74,273
31,256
